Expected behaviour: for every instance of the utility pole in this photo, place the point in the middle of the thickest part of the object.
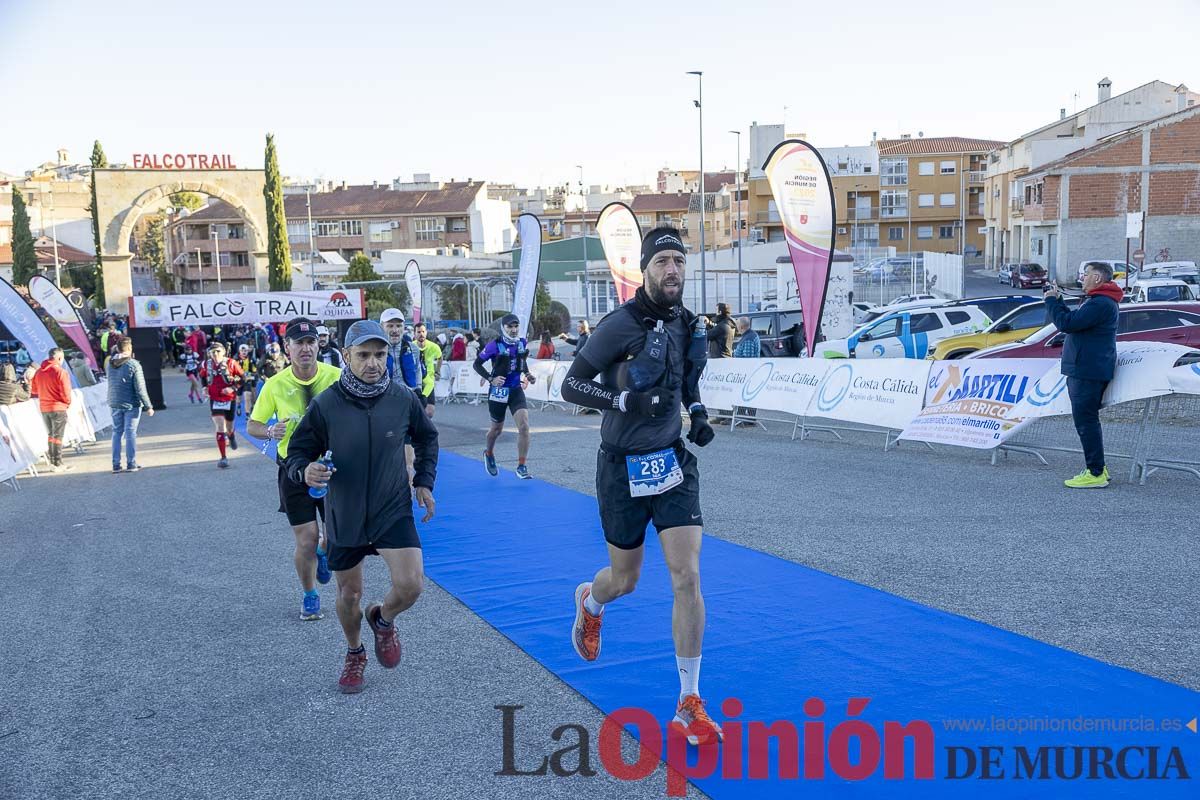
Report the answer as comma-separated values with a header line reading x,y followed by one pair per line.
x,y
312,247
216,254
703,269
738,179
200,269
587,289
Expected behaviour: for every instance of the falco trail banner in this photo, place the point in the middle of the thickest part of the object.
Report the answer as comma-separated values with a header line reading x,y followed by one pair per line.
x,y
803,194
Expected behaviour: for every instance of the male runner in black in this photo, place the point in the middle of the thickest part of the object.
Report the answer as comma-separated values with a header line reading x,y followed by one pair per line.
x,y
650,352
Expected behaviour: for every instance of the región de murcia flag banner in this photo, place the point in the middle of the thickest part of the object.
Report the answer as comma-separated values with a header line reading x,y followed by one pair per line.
x,y
412,279
804,196
621,237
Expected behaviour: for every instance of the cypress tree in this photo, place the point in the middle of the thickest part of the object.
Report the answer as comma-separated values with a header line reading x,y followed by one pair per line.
x,y
278,255
24,255
99,161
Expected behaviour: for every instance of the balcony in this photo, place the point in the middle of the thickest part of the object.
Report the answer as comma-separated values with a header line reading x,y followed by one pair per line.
x,y
767,218
854,214
976,176
893,213
1016,206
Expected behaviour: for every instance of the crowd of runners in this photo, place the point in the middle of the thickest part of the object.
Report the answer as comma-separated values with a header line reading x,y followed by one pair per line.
x,y
356,450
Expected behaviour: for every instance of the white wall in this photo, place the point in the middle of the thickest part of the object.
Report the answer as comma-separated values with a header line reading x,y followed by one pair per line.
x,y
491,225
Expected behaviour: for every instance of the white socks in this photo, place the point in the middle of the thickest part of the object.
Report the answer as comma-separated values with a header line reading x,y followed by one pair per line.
x,y
689,676
592,606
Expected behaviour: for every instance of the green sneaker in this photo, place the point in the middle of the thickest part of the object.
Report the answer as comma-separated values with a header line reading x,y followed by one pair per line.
x,y
1086,480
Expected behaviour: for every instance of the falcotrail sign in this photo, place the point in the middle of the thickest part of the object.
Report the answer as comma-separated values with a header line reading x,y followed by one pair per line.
x,y
163,311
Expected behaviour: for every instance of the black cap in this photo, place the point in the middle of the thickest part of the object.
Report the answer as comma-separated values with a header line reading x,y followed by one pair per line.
x,y
301,328
659,239
510,319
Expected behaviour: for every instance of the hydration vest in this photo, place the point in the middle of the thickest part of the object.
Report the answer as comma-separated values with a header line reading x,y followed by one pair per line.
x,y
647,369
504,365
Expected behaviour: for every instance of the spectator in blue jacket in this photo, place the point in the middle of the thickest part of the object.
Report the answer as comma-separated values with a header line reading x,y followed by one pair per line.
x,y
1089,359
126,398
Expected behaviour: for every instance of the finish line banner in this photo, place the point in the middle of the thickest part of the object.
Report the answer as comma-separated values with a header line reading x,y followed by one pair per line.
x,y
161,311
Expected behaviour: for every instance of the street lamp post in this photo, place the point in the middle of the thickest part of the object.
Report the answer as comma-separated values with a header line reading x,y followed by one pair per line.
x,y
587,289
216,254
200,268
54,239
699,101
738,177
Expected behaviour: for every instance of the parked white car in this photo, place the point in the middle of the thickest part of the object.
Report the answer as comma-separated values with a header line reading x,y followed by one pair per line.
x,y
906,334
1162,290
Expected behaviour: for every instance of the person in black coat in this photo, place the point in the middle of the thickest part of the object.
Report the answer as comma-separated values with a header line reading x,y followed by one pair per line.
x,y
1089,360
722,334
364,420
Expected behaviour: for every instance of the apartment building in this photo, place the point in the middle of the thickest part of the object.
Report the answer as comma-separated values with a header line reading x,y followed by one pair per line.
x,y
923,193
454,218
682,210
1010,236
1075,208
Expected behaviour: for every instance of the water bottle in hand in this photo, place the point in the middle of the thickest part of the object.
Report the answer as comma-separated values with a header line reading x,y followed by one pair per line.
x,y
327,460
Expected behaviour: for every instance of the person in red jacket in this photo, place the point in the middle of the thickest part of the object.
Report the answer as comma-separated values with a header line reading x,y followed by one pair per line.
x,y
223,377
52,386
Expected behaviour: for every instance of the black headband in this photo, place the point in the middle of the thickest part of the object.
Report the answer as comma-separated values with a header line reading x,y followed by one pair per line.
x,y
658,240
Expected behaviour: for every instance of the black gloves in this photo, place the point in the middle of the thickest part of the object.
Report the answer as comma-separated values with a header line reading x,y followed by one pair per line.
x,y
701,433
654,403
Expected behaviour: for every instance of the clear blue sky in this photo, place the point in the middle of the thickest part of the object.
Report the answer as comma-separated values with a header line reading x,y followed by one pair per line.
x,y
523,92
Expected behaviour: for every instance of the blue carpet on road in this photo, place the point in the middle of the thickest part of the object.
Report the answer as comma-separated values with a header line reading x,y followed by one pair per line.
x,y
779,633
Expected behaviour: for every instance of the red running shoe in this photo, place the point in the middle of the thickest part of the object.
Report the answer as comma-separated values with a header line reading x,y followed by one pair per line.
x,y
351,681
585,633
699,725
387,642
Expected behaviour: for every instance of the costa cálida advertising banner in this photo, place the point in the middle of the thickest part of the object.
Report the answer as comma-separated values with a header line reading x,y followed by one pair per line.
x,y
621,237
529,229
56,304
803,194
412,278
23,322
165,311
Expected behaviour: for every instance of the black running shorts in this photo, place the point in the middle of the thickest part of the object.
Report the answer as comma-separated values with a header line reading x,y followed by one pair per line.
x,y
516,402
624,517
295,501
227,413
402,534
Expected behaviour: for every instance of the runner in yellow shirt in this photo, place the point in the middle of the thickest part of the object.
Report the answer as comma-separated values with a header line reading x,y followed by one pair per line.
x,y
430,362
285,397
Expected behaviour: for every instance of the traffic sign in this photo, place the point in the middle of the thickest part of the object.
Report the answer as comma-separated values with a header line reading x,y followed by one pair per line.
x,y
1139,255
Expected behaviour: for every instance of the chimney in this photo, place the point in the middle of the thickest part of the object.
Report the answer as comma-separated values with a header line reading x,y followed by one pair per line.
x,y
374,184
343,184
1062,113
1104,88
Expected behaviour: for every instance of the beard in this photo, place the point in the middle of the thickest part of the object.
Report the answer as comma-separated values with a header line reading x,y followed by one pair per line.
x,y
665,296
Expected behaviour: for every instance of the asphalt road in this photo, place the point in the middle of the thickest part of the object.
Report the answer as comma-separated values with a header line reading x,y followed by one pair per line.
x,y
151,647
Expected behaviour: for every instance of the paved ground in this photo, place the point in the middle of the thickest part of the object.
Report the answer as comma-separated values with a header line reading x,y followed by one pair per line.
x,y
152,648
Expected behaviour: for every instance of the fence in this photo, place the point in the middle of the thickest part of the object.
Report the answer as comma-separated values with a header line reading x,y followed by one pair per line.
x,y
928,403
881,282
23,442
